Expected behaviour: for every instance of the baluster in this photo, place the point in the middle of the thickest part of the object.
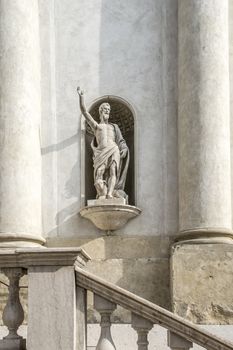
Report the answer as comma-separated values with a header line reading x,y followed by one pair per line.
x,y
105,308
142,326
176,342
13,314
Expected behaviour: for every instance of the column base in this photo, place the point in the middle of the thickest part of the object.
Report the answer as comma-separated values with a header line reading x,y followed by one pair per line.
x,y
201,279
205,235
20,240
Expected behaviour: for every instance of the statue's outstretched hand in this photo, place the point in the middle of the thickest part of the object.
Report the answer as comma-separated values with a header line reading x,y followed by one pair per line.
x,y
79,91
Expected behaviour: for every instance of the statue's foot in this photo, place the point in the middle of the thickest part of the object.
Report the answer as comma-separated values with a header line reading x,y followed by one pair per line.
x,y
109,196
102,197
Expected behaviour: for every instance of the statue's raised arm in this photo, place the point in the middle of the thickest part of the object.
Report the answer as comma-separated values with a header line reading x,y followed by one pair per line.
x,y
93,124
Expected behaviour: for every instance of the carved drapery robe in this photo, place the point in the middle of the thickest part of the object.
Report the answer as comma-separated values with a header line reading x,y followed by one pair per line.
x,y
109,154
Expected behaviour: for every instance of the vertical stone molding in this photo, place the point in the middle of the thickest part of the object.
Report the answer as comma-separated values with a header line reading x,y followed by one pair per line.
x,y
81,318
142,327
20,158
13,314
105,308
204,140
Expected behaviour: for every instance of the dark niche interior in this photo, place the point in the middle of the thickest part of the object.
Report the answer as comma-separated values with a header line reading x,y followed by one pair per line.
x,y
122,115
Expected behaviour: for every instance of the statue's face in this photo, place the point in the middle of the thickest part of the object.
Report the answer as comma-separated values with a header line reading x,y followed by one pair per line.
x,y
105,112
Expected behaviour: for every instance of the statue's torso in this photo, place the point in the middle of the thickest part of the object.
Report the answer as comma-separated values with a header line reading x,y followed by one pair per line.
x,y
105,135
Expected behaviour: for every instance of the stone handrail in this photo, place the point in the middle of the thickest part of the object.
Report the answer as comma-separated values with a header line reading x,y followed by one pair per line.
x,y
151,312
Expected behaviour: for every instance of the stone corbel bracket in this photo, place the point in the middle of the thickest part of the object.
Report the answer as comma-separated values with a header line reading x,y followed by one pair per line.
x,y
110,217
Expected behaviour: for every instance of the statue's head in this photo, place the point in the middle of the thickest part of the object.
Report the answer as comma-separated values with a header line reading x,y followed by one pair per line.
x,y
104,111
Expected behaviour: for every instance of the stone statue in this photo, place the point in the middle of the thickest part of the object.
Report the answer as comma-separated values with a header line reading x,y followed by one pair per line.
x,y
110,153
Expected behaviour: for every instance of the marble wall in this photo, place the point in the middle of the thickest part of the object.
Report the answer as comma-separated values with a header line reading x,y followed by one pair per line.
x,y
123,49
231,80
127,50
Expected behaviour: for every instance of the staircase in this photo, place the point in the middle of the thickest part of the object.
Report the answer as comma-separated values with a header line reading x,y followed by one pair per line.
x,y
57,302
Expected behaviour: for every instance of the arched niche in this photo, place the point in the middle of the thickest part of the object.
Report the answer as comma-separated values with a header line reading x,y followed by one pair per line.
x,y
123,115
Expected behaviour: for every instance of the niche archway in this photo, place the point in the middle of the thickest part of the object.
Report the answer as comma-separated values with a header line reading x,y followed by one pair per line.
x,y
123,115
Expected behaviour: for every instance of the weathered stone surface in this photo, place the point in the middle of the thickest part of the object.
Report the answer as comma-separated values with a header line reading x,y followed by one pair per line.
x,y
114,247
148,278
201,280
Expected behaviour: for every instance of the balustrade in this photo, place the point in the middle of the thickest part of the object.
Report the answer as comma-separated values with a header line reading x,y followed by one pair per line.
x,y
181,333
13,314
58,285
105,308
142,326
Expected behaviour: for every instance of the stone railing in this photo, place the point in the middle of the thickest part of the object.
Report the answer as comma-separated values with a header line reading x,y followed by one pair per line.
x,y
181,333
51,297
57,306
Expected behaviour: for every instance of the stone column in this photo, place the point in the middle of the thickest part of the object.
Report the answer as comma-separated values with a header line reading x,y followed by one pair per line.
x,y
203,127
20,158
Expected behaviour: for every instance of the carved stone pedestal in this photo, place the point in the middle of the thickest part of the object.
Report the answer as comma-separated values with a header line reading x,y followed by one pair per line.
x,y
13,344
109,214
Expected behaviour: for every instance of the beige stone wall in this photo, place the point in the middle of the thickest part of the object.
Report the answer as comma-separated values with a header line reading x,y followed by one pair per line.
x,y
201,281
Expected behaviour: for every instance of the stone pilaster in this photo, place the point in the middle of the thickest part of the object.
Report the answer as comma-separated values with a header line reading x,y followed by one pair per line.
x,y
20,158
204,140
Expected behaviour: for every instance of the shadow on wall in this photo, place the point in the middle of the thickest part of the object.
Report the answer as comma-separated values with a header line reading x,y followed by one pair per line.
x,y
72,184
61,145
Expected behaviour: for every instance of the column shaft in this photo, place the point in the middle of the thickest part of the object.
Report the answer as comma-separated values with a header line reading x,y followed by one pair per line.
x,y
204,133
20,158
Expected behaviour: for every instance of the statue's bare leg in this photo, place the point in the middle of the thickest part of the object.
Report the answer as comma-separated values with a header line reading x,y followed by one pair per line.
x,y
100,184
112,180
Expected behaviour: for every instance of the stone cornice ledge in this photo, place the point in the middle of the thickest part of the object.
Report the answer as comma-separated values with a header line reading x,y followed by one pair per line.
x,y
25,258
